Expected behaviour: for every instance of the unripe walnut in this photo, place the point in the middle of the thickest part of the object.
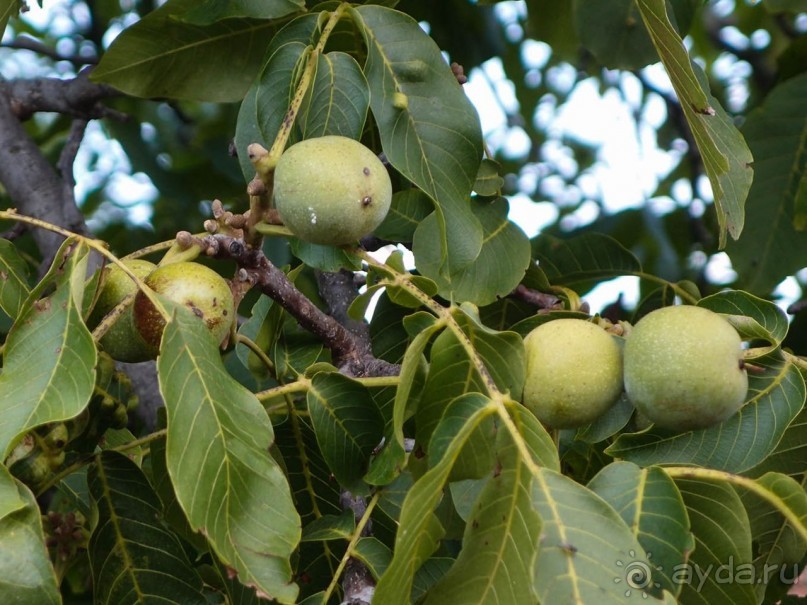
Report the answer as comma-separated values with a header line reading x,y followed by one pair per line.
x,y
122,341
684,368
199,288
574,372
331,190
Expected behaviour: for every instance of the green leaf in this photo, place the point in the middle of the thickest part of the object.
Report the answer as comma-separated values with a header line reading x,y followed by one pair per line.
x,y
209,11
374,554
348,426
26,574
164,56
650,504
388,464
267,100
330,527
613,31
338,100
771,247
13,279
49,358
554,23
585,258
436,140
498,269
495,565
779,549
134,558
722,541
7,9
726,157
217,456
452,372
752,317
587,553
260,329
324,258
790,455
408,209
776,395
488,181
419,530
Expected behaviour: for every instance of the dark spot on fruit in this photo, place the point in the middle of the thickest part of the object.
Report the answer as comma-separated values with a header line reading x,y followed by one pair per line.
x,y
366,171
197,311
366,201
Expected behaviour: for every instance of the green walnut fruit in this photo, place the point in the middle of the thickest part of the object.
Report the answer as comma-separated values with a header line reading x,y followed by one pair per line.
x,y
574,372
199,288
684,368
331,190
122,341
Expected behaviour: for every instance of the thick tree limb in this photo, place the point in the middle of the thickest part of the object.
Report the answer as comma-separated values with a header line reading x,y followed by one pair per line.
x,y
78,97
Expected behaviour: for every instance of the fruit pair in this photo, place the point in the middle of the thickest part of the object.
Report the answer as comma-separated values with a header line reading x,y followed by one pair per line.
x,y
682,368
136,334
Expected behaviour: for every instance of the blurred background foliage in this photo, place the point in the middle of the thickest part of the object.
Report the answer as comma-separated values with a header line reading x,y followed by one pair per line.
x,y
577,112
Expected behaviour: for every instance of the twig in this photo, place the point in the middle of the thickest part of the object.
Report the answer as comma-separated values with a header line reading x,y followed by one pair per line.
x,y
535,298
24,42
349,354
68,157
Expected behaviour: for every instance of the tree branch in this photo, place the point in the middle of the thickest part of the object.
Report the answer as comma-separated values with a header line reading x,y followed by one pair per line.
x,y
350,355
78,97
24,42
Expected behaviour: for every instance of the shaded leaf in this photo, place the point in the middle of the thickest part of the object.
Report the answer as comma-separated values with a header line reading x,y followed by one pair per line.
x,y
650,504
347,424
217,456
13,279
163,56
436,140
613,31
726,157
374,554
330,527
324,258
134,558
408,209
771,247
419,530
722,538
26,574
775,397
49,357
591,256
209,11
338,100
496,271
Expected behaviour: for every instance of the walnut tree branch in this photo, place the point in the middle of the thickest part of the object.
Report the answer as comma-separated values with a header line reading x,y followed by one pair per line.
x,y
78,97
349,354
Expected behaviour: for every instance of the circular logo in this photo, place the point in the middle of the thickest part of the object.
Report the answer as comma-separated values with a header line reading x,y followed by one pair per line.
x,y
637,575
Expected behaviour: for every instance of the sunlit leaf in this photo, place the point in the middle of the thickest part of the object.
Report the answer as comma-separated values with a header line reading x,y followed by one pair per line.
x,y
26,574
430,131
752,317
49,357
217,456
133,556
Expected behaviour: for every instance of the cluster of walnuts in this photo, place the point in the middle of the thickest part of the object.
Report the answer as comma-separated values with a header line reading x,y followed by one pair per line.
x,y
681,367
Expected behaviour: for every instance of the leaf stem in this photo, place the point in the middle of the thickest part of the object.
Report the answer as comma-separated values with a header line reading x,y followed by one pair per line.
x,y
709,474
357,534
